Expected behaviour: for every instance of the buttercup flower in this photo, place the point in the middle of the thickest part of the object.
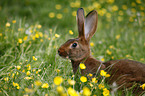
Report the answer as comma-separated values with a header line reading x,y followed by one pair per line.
x,y
37,83
101,86
103,73
60,89
106,92
71,82
86,91
82,66
83,79
72,92
45,85
14,21
143,86
34,58
58,80
8,24
20,40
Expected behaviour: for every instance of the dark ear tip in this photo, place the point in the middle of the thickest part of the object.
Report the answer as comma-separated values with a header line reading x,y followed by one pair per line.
x,y
80,10
92,12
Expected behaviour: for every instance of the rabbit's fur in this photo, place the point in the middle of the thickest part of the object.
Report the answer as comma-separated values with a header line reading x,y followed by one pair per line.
x,y
123,72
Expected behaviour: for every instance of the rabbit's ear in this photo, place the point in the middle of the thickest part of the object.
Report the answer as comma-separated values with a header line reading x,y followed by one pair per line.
x,y
80,22
91,24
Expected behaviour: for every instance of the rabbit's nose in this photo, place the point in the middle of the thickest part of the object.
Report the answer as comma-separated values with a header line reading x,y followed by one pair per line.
x,y
62,52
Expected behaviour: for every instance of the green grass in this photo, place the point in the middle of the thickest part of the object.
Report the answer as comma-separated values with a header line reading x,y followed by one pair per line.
x,y
123,35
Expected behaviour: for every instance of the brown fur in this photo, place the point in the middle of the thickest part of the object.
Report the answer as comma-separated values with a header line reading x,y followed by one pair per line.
x,y
124,72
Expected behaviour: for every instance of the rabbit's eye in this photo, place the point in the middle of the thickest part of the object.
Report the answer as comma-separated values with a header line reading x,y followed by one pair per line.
x,y
74,45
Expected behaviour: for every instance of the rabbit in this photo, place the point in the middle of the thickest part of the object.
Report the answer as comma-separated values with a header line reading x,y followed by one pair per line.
x,y
122,72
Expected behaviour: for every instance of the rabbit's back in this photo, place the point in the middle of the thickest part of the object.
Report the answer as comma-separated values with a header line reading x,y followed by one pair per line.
x,y
125,71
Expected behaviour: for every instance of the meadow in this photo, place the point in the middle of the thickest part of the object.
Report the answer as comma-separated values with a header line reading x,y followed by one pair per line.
x,y
31,32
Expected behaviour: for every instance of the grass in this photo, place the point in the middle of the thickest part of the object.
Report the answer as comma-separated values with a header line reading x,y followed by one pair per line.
x,y
36,28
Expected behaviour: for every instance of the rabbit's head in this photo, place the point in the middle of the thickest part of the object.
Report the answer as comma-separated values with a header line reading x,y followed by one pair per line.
x,y
79,49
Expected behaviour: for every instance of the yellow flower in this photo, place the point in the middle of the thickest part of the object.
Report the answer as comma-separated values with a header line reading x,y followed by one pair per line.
x,y
57,70
111,47
107,75
133,10
16,85
77,4
72,92
131,19
37,83
101,86
91,84
133,4
58,80
143,86
96,5
18,67
71,82
82,66
13,74
40,34
74,13
28,73
90,74
102,12
112,57
37,35
39,26
60,89
45,85
51,14
124,7
29,68
108,15
92,44
106,92
57,36
108,52
83,79
121,12
117,36
114,8
34,58
94,80
14,21
20,40
8,24
102,59
27,78
27,90
120,18
70,32
110,1
58,6
103,73
138,1
25,38
59,16
142,8
6,78
86,91
1,34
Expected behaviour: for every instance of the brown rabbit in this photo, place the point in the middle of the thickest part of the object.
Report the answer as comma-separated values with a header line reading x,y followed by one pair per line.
x,y
123,72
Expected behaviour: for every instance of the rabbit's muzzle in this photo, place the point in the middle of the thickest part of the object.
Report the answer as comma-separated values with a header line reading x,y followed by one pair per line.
x,y
62,53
